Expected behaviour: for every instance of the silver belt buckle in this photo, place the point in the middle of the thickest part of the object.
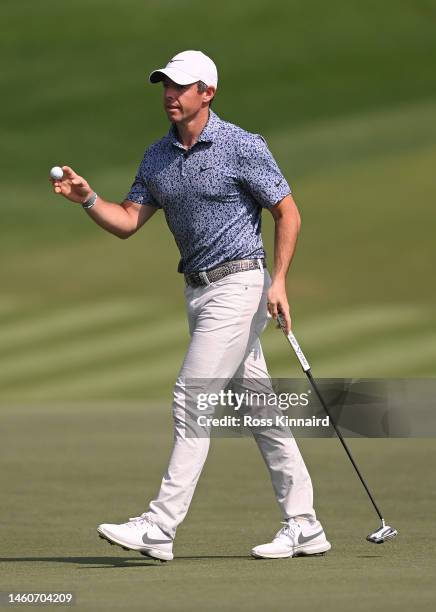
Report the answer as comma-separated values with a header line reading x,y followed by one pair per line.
x,y
203,276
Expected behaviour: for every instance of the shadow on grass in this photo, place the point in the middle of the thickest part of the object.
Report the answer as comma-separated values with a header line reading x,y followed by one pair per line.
x,y
105,561
115,562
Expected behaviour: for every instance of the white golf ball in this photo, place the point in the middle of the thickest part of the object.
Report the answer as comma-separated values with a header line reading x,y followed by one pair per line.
x,y
56,173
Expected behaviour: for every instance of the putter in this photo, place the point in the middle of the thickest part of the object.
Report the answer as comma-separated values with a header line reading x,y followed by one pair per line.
x,y
385,532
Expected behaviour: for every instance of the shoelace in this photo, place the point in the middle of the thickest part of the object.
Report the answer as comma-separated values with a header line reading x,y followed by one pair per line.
x,y
289,530
139,521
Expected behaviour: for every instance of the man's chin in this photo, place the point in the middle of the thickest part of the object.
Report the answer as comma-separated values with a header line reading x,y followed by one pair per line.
x,y
174,116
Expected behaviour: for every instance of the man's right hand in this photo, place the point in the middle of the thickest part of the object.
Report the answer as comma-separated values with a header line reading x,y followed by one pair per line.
x,y
72,186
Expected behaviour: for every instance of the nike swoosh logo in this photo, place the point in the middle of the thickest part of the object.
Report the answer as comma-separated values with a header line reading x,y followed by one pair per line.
x,y
277,184
147,540
205,168
303,539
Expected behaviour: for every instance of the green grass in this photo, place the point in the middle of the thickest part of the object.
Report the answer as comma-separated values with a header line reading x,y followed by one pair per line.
x,y
92,317
68,467
93,330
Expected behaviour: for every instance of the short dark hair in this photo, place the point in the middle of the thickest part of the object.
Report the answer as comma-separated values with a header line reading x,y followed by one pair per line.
x,y
201,88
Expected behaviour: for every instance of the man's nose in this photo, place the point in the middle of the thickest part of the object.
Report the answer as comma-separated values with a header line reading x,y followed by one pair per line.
x,y
169,93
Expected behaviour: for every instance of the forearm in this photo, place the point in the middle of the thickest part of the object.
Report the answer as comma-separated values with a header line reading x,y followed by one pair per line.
x,y
285,242
118,219
112,217
287,225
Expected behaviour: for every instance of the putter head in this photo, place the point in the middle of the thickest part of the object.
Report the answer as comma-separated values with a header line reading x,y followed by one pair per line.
x,y
382,534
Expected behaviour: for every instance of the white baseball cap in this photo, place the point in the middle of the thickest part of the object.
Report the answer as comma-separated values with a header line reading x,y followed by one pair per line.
x,y
188,67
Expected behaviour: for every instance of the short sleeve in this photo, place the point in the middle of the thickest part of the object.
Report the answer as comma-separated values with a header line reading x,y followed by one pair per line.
x,y
139,191
259,172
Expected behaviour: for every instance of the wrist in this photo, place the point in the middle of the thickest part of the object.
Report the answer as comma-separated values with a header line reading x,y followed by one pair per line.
x,y
278,280
90,201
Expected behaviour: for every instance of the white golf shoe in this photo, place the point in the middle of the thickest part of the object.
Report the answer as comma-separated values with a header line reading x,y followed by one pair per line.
x,y
140,534
295,538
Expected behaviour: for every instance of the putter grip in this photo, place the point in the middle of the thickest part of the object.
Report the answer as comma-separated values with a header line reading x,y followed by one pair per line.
x,y
293,342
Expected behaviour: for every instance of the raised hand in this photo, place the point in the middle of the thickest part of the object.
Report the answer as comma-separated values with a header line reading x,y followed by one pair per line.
x,y
72,186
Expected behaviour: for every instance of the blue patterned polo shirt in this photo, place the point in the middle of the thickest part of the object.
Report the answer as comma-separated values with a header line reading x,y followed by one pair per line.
x,y
212,194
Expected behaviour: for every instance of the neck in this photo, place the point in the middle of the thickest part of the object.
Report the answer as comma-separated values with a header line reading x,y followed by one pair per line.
x,y
190,129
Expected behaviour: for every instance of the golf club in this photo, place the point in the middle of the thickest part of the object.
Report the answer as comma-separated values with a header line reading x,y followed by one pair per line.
x,y
385,532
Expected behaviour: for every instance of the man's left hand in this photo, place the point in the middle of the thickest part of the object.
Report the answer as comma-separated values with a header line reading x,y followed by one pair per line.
x,y
278,302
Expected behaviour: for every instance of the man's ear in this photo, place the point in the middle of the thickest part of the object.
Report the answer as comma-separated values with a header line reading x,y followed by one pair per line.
x,y
209,93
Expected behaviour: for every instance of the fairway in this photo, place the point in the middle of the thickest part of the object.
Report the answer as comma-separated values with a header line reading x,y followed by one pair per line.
x,y
93,329
74,466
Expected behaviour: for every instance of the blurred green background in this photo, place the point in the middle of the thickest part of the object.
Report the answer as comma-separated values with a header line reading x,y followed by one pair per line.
x,y
345,94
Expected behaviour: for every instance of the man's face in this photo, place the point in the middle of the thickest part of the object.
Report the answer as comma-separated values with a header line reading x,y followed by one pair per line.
x,y
182,102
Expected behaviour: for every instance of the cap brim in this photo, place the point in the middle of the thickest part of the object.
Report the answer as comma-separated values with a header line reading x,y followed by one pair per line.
x,y
179,77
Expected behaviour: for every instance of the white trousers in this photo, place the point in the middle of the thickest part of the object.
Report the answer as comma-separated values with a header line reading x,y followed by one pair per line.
x,y
226,319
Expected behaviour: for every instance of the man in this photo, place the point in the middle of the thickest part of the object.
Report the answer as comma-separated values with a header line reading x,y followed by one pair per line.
x,y
212,179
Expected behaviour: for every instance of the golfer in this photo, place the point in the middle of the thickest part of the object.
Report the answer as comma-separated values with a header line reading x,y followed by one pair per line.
x,y
212,179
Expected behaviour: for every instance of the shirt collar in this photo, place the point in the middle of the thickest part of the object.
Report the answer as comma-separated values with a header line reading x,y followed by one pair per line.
x,y
208,133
